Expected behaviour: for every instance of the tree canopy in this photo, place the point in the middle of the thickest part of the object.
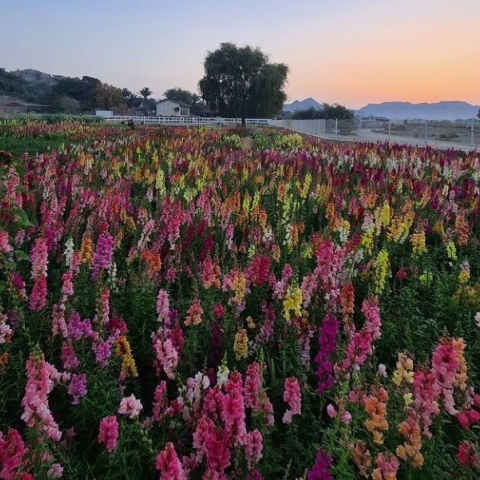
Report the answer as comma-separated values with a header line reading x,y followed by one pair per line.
x,y
179,95
328,112
240,82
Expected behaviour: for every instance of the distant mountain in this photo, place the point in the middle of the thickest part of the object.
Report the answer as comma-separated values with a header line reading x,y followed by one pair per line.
x,y
423,111
302,105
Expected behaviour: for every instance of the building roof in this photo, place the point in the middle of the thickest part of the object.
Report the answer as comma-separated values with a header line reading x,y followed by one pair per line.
x,y
8,101
181,104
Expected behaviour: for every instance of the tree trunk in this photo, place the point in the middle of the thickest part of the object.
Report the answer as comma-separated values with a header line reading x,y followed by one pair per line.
x,y
244,115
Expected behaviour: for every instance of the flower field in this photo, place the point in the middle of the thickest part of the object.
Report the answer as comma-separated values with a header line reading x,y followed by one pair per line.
x,y
173,306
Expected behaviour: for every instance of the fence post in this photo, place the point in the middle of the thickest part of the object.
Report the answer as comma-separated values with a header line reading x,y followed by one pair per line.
x,y
389,129
336,127
472,133
426,134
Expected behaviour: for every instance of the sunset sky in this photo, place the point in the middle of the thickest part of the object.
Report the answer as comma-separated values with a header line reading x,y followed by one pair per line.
x,y
351,52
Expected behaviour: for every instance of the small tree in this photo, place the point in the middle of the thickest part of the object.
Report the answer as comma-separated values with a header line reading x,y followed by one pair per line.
x,y
145,92
478,114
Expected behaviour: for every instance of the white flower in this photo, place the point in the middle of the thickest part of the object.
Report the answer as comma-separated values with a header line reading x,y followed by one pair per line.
x,y
222,374
382,370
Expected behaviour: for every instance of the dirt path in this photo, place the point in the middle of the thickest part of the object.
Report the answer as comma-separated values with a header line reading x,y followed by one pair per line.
x,y
247,143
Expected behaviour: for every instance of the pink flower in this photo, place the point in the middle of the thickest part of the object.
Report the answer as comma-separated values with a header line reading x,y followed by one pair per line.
x,y
36,411
163,306
467,455
108,433
55,471
166,357
169,465
477,319
39,260
5,248
234,410
331,412
253,448
382,370
252,387
293,397
345,417
103,255
159,401
5,330
387,464
130,406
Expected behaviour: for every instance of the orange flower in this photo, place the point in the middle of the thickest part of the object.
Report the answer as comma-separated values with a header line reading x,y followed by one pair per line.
x,y
361,457
194,314
376,407
410,431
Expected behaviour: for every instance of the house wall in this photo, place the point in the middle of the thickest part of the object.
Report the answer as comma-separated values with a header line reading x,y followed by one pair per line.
x,y
167,109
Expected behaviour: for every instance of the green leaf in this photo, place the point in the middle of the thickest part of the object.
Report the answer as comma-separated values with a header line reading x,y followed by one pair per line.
x,y
21,255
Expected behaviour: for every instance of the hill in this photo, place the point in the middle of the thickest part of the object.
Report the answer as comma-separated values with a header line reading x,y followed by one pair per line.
x,y
445,110
302,105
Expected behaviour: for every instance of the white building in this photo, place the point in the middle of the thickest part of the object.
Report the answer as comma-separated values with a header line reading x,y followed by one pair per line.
x,y
171,108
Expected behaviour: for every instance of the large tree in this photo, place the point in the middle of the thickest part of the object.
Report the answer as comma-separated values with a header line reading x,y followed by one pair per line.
x,y
478,114
179,95
239,82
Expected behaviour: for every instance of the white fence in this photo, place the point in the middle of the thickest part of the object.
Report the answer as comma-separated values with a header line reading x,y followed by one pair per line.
x,y
187,121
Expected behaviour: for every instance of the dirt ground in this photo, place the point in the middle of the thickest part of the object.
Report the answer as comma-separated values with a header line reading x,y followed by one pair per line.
x,y
247,143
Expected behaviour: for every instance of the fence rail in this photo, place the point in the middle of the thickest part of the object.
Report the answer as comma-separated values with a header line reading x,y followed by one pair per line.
x,y
190,121
439,134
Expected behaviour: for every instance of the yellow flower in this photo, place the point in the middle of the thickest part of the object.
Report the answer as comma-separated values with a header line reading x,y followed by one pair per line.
x,y
464,275
381,271
293,301
407,398
451,250
425,278
240,345
122,349
418,243
404,371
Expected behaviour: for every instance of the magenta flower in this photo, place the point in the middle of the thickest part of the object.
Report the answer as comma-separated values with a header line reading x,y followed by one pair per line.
x,y
12,453
108,433
320,469
327,335
169,465
252,387
253,448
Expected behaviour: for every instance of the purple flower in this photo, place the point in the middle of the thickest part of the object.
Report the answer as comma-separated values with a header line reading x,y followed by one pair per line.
x,y
78,387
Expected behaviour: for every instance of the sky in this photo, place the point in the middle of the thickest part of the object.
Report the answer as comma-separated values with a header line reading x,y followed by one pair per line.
x,y
350,52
